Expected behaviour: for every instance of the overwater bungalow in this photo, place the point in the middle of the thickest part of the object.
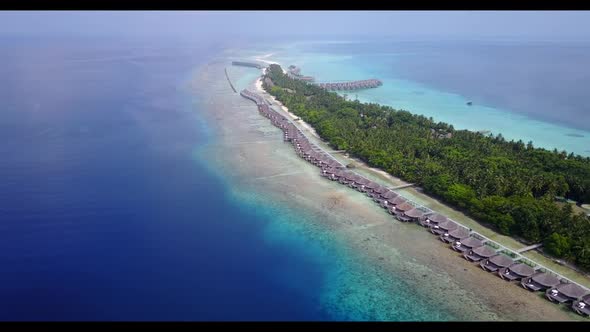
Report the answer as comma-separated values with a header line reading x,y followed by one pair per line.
x,y
455,235
389,195
565,293
413,214
443,227
354,182
467,244
496,262
328,171
540,281
396,201
333,163
247,64
381,190
335,174
582,306
325,173
402,207
479,253
516,271
300,145
386,197
370,186
346,178
310,155
378,193
432,219
361,184
306,153
316,158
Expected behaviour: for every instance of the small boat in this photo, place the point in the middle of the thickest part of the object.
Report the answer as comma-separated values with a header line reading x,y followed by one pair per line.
x,y
469,103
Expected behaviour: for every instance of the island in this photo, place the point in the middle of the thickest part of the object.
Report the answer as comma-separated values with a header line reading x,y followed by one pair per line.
x,y
509,186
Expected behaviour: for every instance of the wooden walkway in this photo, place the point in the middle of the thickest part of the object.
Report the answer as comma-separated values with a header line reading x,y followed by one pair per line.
x,y
531,247
232,86
403,186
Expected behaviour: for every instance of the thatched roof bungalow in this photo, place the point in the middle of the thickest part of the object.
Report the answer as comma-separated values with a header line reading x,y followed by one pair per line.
x,y
495,263
516,272
370,186
414,214
479,253
389,195
540,281
457,234
582,306
443,227
432,219
564,293
467,244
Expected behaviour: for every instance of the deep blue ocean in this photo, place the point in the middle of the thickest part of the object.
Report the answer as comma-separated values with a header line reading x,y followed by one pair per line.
x,y
104,213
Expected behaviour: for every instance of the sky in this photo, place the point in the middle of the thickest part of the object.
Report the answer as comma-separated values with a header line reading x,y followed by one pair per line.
x,y
542,25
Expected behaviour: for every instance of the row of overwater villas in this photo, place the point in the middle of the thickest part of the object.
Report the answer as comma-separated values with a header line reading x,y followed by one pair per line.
x,y
247,64
370,83
460,239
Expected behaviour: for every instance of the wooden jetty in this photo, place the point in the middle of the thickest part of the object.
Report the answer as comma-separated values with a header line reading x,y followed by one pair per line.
x,y
490,255
230,84
403,186
528,248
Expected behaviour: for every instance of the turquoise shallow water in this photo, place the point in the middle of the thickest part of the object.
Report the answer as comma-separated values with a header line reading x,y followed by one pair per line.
x,y
421,98
351,287
335,281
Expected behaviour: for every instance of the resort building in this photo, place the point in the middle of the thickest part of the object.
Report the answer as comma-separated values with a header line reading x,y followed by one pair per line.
x,y
432,219
455,235
413,214
516,272
479,253
467,244
495,263
443,227
540,281
582,305
564,293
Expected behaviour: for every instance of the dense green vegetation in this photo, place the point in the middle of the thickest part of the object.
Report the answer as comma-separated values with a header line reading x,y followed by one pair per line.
x,y
507,185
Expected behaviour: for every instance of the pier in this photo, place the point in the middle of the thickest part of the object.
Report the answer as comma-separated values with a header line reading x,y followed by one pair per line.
x,y
408,185
528,248
230,84
508,264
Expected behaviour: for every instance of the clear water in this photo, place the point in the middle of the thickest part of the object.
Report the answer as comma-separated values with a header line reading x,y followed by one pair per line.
x,y
533,91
